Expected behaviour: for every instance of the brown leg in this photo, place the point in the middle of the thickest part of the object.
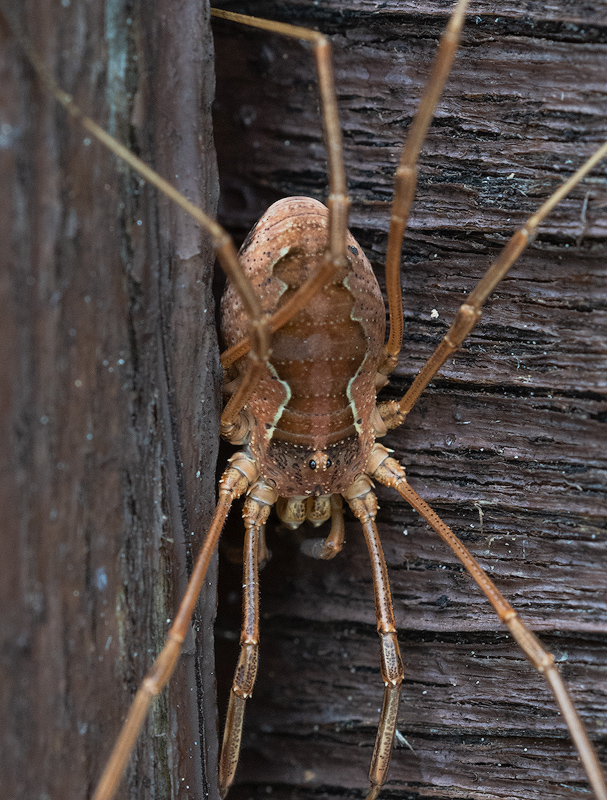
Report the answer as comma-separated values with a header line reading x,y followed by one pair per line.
x,y
234,482
391,473
406,179
226,252
261,326
393,412
232,424
363,503
246,669
338,202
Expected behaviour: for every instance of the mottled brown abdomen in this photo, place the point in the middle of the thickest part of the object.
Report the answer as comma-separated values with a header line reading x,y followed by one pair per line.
x,y
320,391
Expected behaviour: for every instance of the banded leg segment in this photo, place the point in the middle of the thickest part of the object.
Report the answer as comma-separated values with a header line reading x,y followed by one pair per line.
x,y
406,179
234,482
338,202
363,503
256,510
246,669
390,473
393,412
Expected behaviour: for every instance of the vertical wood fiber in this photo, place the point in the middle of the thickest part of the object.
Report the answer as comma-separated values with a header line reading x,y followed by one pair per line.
x,y
508,444
108,392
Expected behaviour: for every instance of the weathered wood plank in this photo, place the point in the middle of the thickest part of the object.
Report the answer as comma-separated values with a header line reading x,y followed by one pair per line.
x,y
109,408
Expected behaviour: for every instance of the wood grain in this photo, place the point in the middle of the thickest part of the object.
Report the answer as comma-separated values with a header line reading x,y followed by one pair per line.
x,y
109,408
508,444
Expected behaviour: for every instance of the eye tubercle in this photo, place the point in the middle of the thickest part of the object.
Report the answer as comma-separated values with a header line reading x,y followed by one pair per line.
x,y
320,461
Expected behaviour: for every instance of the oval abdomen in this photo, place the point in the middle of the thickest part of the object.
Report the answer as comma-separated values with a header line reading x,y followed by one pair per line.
x,y
319,393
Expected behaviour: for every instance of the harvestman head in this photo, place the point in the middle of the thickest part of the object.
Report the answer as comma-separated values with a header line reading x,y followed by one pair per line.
x,y
303,450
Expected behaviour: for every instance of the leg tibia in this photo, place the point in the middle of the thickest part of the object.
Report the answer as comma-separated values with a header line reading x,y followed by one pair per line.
x,y
382,752
406,178
391,663
363,503
470,311
230,749
256,510
242,688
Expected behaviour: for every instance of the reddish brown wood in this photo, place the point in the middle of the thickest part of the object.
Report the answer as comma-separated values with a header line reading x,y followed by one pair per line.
x,y
109,410
508,444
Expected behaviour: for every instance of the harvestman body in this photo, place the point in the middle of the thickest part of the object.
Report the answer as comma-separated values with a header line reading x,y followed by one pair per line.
x,y
304,301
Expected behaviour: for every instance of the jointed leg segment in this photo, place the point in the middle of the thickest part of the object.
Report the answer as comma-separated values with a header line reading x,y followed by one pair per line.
x,y
390,473
406,179
241,472
363,503
257,507
394,412
338,202
246,670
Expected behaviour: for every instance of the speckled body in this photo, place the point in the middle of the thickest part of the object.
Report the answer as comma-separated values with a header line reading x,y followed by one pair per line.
x,y
319,393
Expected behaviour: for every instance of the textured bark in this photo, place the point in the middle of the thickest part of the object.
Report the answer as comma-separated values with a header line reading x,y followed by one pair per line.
x,y
109,408
508,444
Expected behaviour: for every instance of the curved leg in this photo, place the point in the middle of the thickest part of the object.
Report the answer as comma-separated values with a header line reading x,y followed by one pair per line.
x,y
234,482
363,503
406,179
393,412
389,472
261,326
338,201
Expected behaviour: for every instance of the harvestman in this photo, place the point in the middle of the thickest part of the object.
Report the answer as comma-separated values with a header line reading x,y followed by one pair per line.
x,y
302,471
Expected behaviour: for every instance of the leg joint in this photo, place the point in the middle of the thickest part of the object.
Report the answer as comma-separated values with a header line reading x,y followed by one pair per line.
x,y
391,663
246,670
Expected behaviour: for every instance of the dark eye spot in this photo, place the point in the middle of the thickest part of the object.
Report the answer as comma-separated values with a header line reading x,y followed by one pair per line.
x,y
329,462
352,249
312,464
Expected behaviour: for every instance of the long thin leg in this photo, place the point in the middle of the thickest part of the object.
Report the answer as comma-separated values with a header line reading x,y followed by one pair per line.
x,y
389,472
406,178
393,412
256,510
234,482
261,326
231,425
363,503
226,252
246,669
338,202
